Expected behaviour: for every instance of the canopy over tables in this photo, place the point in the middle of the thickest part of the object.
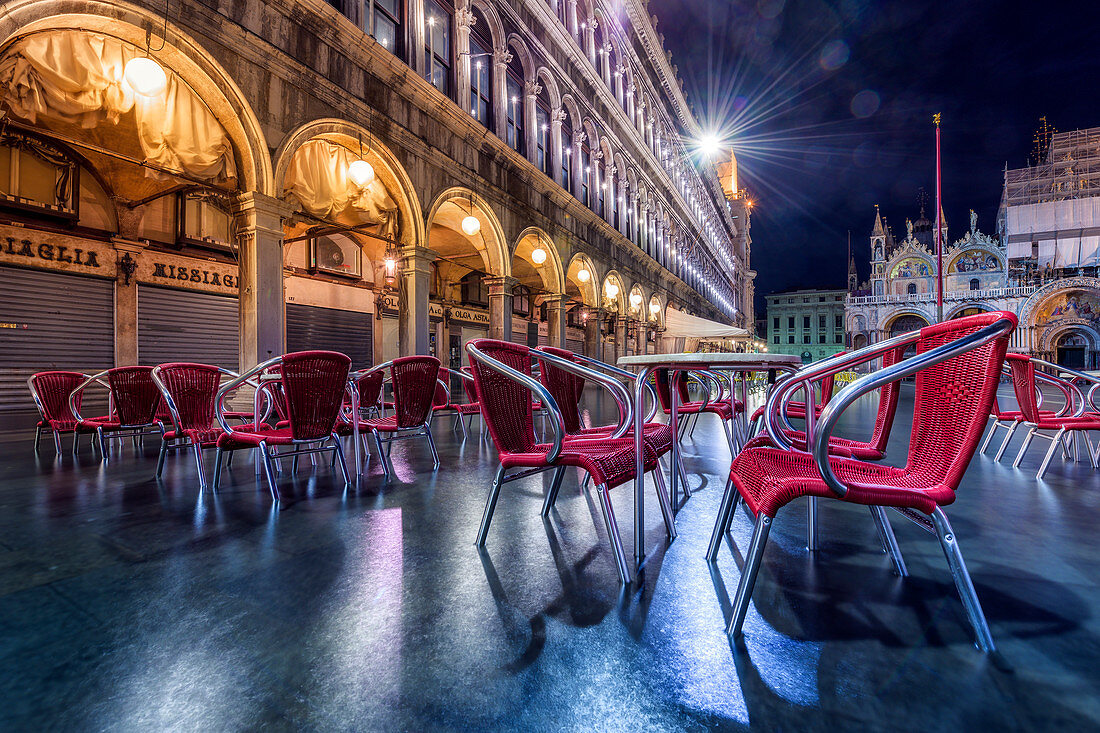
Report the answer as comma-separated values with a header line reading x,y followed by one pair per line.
x,y
680,324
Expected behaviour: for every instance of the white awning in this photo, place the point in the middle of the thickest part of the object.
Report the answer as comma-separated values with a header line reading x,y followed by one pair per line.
x,y
678,323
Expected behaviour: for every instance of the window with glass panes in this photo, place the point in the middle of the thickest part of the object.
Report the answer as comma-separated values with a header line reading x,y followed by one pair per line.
x,y
382,21
514,107
566,157
542,136
481,78
601,187
437,51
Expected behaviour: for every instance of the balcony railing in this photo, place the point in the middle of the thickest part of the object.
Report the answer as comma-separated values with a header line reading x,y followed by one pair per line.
x,y
952,296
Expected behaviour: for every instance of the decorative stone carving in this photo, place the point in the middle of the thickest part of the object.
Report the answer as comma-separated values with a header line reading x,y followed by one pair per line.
x,y
465,18
503,55
532,89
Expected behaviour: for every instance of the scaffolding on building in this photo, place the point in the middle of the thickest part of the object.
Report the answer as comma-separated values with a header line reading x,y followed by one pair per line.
x,y
1071,170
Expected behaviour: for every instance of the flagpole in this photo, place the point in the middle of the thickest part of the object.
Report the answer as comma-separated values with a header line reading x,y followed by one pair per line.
x,y
939,226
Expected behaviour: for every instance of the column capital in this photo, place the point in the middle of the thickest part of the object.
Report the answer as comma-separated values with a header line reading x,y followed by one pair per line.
x,y
465,18
261,212
417,259
532,88
500,284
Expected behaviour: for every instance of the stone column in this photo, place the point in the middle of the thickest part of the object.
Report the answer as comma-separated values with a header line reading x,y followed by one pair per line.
x,y
261,301
631,91
620,336
578,163
592,340
126,301
555,320
531,90
464,21
500,306
590,39
419,37
557,145
412,300
501,58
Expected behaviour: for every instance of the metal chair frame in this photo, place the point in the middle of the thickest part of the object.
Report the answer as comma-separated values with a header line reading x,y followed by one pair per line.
x,y
1075,401
135,432
42,413
557,423
384,445
938,524
268,453
1011,423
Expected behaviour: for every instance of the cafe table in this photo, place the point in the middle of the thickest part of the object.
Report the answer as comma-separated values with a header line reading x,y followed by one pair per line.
x,y
676,364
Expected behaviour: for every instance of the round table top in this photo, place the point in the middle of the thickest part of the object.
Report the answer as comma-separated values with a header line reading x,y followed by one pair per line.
x,y
732,360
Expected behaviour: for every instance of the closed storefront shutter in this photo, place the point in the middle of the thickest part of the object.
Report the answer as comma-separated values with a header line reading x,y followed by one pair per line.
x,y
51,321
329,329
469,334
184,325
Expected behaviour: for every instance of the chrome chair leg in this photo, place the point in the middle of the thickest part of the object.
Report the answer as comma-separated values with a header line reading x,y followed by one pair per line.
x,y
431,444
462,425
1055,442
102,445
197,450
1005,442
989,435
383,456
218,469
666,506
984,639
729,436
552,494
269,471
160,458
722,521
683,479
811,523
338,449
748,574
490,507
1089,448
1023,448
76,442
613,534
57,442
889,541
38,436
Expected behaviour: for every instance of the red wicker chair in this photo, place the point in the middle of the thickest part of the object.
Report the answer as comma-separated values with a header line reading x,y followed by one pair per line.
x,y
957,367
502,372
369,385
312,384
135,401
414,381
726,407
50,392
1072,422
443,404
867,450
1011,419
190,394
566,389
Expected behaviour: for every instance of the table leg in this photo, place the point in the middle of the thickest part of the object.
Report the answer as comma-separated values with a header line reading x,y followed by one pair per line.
x,y
811,507
639,469
674,423
355,446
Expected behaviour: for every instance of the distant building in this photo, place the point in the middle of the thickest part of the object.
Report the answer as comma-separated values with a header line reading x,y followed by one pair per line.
x,y
806,323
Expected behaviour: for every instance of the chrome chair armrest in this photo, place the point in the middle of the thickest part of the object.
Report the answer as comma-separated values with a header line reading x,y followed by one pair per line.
x,y
904,368
620,393
98,377
232,385
654,404
1066,385
557,422
172,410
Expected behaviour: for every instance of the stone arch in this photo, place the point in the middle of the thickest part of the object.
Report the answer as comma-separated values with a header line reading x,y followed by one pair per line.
x,y
587,290
550,84
613,292
656,314
569,104
518,45
637,293
448,210
951,266
387,167
967,309
184,56
904,319
496,27
550,272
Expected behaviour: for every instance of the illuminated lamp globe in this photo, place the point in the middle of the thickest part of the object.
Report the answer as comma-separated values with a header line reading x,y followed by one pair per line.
x,y
145,76
361,172
538,256
471,225
654,307
583,275
636,299
612,290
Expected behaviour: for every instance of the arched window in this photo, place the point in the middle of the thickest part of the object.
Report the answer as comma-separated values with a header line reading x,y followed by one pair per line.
x,y
586,175
383,21
481,66
566,156
543,159
521,300
613,199
437,51
912,289
514,105
600,182
974,284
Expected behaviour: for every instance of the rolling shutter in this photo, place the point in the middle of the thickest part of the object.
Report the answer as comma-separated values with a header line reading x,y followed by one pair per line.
x,y
183,325
51,321
349,332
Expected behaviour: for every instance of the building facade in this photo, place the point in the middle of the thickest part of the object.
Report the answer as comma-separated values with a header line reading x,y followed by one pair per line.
x,y
1042,265
228,181
806,323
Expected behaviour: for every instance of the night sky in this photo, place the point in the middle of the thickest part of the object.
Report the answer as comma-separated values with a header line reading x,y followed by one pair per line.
x,y
829,106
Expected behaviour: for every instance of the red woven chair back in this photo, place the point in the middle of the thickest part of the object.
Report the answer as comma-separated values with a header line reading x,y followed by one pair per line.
x,y
1023,383
414,388
314,383
370,388
442,396
193,388
53,390
135,394
564,386
887,404
952,399
505,405
470,387
662,377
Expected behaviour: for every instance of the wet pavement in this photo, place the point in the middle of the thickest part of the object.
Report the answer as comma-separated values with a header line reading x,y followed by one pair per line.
x,y
132,604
